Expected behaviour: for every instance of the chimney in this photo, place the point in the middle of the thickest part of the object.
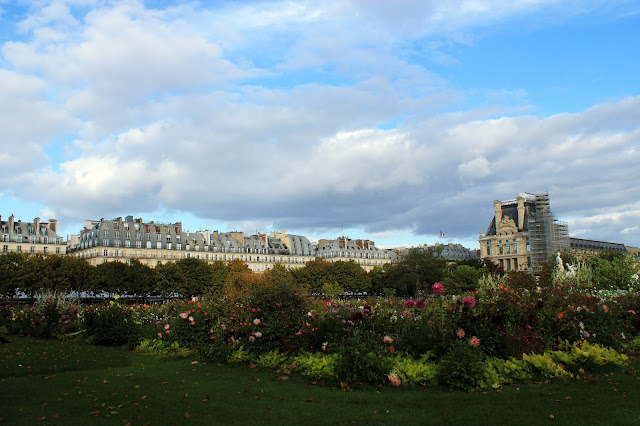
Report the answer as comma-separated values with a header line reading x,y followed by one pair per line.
x,y
11,221
53,225
520,212
497,206
36,223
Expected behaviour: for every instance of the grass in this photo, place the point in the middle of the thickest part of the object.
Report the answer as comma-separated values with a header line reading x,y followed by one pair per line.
x,y
68,383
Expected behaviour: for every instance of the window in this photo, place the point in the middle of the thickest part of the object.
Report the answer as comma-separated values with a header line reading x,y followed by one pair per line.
x,y
148,235
138,236
116,234
179,246
19,249
5,249
508,264
105,252
500,250
148,243
515,249
138,244
106,234
159,244
32,249
158,237
116,253
127,235
5,237
127,243
508,248
19,238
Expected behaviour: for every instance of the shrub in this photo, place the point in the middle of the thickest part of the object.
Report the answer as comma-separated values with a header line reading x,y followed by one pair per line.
x,y
415,371
163,348
363,359
462,367
111,325
318,365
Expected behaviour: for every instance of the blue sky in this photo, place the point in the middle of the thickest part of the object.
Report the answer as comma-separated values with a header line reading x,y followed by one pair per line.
x,y
392,121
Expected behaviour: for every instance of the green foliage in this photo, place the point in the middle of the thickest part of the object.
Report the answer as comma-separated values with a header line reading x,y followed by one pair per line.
x,y
111,325
412,371
163,348
462,367
272,359
317,365
11,273
631,348
462,278
283,307
240,355
587,356
332,290
362,360
419,269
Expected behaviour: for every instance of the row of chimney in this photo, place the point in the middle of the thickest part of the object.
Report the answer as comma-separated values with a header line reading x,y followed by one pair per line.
x,y
52,224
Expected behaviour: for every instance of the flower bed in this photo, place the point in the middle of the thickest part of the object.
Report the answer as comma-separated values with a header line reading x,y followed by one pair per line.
x,y
482,339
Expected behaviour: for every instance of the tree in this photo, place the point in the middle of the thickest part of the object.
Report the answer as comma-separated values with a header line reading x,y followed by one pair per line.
x,y
462,278
112,277
170,278
11,273
314,274
350,276
141,280
420,269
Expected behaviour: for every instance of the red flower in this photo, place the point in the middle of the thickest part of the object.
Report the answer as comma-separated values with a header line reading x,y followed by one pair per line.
x,y
469,301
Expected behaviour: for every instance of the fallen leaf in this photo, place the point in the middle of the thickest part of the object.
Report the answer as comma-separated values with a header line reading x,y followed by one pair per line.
x,y
310,399
187,416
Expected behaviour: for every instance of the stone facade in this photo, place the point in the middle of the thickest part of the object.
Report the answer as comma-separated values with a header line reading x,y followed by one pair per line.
x,y
35,237
156,243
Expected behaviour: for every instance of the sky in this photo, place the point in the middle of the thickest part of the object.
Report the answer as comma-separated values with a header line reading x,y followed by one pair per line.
x,y
391,121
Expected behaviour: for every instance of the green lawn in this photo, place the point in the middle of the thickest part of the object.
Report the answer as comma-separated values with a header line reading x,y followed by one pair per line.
x,y
67,383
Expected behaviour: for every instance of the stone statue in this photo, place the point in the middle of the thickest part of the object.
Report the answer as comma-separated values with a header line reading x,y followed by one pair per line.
x,y
571,272
559,265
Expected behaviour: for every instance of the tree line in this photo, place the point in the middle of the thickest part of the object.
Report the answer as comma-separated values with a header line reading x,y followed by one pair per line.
x,y
29,274
413,273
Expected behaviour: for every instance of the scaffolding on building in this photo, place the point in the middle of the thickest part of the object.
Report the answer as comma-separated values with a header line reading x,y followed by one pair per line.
x,y
546,234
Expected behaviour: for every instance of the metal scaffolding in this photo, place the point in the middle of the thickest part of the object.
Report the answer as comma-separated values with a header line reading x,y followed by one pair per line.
x,y
547,235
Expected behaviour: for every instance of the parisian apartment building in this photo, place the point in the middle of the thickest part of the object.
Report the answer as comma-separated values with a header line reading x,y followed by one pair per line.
x,y
37,237
158,243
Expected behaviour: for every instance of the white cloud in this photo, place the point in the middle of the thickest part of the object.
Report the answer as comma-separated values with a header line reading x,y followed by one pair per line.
x,y
214,112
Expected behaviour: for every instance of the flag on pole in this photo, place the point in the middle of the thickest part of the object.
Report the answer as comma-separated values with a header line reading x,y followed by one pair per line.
x,y
441,234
